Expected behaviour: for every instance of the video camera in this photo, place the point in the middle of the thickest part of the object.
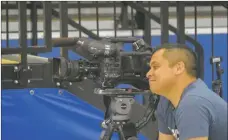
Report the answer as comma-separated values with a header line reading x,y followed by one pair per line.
x,y
107,64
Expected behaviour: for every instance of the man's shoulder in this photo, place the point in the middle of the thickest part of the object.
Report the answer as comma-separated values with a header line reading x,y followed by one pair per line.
x,y
200,95
194,100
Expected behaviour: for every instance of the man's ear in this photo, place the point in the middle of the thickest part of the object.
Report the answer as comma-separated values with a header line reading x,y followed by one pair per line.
x,y
179,68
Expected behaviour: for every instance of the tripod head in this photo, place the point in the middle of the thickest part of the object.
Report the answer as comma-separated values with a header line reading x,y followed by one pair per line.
x,y
121,101
118,118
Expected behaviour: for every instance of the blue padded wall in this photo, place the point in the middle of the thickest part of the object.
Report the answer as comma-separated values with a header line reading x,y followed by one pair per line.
x,y
49,114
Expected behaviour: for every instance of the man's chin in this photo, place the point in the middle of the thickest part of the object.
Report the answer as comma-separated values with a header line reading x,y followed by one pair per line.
x,y
154,91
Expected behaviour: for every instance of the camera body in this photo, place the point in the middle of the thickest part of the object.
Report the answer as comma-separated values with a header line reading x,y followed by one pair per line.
x,y
107,64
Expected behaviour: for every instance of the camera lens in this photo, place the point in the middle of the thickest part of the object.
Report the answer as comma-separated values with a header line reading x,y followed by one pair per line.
x,y
64,68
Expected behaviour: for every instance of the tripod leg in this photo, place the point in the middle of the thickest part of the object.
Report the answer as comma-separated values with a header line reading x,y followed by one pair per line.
x,y
121,134
107,133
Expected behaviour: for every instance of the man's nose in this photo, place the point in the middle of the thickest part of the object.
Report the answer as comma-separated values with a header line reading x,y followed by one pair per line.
x,y
148,74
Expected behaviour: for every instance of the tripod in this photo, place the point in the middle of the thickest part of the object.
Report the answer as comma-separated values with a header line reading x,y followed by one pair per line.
x,y
217,84
119,114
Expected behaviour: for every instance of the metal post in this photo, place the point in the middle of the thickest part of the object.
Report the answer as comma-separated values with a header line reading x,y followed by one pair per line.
x,y
164,14
195,12
114,17
139,17
97,18
7,25
79,18
47,24
124,16
23,40
212,37
180,22
149,3
33,17
132,22
147,30
145,99
63,26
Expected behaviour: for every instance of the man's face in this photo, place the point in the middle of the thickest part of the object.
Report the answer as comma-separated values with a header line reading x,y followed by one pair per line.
x,y
161,75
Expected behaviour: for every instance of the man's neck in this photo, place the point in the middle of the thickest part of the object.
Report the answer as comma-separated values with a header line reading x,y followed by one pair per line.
x,y
174,95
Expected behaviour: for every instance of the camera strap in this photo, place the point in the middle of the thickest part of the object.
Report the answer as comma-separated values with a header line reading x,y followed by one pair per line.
x,y
149,114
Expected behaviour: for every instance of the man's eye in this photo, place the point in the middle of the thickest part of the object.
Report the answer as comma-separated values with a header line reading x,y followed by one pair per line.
x,y
155,67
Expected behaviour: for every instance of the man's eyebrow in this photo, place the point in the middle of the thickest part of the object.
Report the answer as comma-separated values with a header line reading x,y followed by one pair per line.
x,y
153,63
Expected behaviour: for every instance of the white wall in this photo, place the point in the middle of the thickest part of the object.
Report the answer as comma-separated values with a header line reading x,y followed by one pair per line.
x,y
109,24
106,26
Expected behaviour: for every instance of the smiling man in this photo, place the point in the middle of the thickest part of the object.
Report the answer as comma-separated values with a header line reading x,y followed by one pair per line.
x,y
188,109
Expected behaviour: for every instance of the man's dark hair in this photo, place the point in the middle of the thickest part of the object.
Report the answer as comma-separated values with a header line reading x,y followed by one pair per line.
x,y
175,53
